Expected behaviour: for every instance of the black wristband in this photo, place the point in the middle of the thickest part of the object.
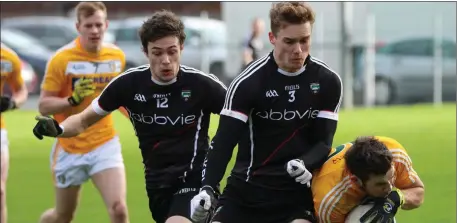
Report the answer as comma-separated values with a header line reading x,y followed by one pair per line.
x,y
72,101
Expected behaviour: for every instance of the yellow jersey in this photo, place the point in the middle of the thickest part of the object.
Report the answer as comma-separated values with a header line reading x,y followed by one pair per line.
x,y
336,193
64,68
11,73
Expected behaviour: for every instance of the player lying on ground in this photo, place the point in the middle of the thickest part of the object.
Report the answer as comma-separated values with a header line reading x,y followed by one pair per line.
x,y
376,169
169,106
11,74
282,112
76,74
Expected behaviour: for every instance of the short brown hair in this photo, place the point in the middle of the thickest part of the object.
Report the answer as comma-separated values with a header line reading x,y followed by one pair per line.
x,y
161,24
285,13
368,156
86,9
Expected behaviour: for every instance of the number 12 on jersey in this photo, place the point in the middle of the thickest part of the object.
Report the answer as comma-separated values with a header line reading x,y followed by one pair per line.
x,y
162,102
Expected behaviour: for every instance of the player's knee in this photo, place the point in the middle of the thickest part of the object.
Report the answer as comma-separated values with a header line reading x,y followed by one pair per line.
x,y
178,219
118,210
3,196
300,221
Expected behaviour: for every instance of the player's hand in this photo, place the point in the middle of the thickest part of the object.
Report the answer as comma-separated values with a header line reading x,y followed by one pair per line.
x,y
296,169
46,126
384,209
83,87
201,204
6,104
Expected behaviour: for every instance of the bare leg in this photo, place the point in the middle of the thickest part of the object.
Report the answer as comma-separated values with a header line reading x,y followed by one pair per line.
x,y
300,221
66,203
4,175
178,219
111,184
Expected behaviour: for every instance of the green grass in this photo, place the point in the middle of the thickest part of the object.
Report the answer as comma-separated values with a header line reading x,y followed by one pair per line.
x,y
428,134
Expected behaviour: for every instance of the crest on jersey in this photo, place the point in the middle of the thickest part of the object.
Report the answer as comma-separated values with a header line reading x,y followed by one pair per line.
x,y
314,87
186,94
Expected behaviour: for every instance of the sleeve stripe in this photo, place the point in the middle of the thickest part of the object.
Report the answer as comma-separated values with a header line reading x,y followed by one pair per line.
x,y
99,110
328,115
401,152
315,60
235,114
411,173
329,199
251,69
210,76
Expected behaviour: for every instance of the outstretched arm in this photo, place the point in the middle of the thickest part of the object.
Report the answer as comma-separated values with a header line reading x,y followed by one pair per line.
x,y
78,123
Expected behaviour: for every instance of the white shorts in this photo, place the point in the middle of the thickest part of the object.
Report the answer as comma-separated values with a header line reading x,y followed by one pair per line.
x,y
75,169
4,141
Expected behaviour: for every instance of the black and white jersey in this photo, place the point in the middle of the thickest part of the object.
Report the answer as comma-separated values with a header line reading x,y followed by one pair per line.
x,y
279,109
171,121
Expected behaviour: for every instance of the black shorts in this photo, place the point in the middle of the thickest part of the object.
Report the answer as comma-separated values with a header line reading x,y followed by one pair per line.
x,y
174,200
245,203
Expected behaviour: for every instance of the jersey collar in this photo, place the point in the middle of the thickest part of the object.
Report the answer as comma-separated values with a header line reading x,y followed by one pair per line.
x,y
158,82
296,73
80,47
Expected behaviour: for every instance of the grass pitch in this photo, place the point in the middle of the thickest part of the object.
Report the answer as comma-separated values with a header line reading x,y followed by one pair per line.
x,y
428,134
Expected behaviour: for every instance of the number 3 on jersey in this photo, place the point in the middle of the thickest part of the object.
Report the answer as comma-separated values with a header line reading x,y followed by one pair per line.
x,y
292,96
162,102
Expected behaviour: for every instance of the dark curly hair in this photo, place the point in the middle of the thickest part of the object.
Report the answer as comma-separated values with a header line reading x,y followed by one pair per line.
x,y
368,156
161,24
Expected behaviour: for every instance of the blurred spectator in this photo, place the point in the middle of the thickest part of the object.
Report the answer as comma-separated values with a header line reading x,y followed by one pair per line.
x,y
254,44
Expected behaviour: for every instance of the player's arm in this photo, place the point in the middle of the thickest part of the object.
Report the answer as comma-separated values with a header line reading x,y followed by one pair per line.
x,y
109,100
218,92
78,123
51,102
15,81
234,116
323,188
407,180
413,196
232,122
324,126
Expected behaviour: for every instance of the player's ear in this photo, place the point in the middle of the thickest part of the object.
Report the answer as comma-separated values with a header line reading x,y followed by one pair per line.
x,y
106,23
272,38
77,26
181,47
